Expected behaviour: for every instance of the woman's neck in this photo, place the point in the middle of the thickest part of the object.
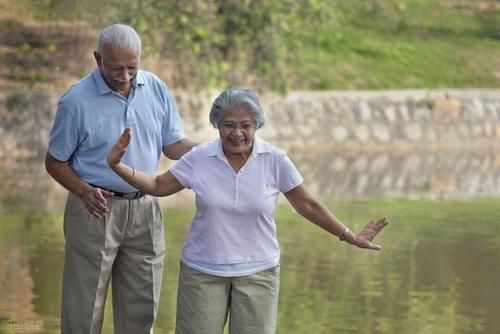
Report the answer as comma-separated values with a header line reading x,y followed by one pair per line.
x,y
237,160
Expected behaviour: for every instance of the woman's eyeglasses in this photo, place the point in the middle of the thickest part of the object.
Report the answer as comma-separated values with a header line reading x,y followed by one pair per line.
x,y
244,127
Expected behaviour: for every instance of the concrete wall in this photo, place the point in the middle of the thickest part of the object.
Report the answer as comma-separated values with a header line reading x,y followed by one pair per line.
x,y
393,143
414,119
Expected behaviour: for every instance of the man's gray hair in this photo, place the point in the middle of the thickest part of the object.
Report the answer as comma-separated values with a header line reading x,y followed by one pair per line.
x,y
235,98
119,36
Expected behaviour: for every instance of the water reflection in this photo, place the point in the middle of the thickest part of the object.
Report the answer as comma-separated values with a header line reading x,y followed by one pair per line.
x,y
30,268
435,275
438,272
448,174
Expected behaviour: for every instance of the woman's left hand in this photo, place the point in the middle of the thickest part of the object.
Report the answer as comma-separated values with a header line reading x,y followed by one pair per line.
x,y
364,238
119,149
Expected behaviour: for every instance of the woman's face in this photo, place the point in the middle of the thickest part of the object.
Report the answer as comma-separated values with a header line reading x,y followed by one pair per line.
x,y
237,130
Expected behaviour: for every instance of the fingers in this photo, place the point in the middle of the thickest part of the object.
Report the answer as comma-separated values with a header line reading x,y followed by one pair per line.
x,y
363,242
120,148
365,237
125,137
107,194
381,223
374,247
378,225
96,203
99,209
99,195
374,227
123,141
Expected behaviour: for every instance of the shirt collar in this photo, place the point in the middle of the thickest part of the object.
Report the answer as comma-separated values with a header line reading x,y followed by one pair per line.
x,y
103,87
259,147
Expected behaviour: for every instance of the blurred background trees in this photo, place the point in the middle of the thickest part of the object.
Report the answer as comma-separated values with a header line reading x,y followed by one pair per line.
x,y
278,45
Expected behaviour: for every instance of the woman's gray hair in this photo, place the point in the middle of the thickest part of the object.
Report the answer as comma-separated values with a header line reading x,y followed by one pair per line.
x,y
119,36
235,98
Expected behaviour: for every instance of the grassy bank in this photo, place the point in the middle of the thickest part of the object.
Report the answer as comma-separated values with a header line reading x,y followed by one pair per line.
x,y
424,44
307,45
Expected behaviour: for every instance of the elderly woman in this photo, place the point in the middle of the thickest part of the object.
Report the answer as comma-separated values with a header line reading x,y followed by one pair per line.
x,y
230,261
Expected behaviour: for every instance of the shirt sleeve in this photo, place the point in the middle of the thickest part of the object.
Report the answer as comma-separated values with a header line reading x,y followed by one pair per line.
x,y
183,169
172,127
64,135
288,175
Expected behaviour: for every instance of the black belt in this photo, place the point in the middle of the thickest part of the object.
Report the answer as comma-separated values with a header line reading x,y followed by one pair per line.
x,y
132,195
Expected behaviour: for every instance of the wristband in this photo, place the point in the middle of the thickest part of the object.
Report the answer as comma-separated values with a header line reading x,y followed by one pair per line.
x,y
344,234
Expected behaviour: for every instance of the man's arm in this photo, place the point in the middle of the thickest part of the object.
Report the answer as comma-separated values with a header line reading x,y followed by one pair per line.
x,y
176,150
93,198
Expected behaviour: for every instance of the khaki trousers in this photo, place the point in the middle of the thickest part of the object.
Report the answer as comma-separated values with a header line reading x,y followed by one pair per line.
x,y
204,301
126,246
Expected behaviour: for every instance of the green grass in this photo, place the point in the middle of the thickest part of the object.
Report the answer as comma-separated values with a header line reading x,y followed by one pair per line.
x,y
428,45
368,44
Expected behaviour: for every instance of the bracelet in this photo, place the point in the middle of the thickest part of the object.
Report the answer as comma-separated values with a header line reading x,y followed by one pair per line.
x,y
344,235
133,174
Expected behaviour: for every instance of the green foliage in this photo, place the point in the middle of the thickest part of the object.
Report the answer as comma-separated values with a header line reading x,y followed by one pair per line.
x,y
387,44
305,44
214,43
223,43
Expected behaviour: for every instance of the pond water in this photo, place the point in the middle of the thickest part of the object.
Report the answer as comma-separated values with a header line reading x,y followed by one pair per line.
x,y
438,272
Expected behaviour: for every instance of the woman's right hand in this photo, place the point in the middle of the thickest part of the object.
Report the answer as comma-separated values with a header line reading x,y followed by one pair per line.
x,y
119,149
364,238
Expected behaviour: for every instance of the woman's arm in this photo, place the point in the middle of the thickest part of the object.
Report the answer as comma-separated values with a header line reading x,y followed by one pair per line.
x,y
315,212
160,185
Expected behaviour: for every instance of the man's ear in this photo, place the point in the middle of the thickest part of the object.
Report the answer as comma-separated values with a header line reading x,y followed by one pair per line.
x,y
98,59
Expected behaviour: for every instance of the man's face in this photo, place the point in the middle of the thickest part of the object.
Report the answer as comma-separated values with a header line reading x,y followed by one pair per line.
x,y
118,67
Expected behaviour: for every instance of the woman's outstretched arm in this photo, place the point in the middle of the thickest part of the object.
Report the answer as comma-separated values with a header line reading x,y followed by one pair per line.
x,y
157,185
315,212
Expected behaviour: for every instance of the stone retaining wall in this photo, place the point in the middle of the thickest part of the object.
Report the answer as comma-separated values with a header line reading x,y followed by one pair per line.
x,y
397,143
413,119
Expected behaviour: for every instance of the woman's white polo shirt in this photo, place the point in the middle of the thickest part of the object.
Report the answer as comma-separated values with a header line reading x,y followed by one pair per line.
x,y
234,219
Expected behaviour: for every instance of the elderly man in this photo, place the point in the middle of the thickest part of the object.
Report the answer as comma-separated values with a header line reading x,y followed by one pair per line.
x,y
112,231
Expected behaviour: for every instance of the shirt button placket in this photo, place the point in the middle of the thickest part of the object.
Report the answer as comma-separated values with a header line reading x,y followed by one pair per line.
x,y
236,186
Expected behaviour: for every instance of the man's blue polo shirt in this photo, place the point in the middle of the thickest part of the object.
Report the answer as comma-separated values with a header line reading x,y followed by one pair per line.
x,y
91,117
